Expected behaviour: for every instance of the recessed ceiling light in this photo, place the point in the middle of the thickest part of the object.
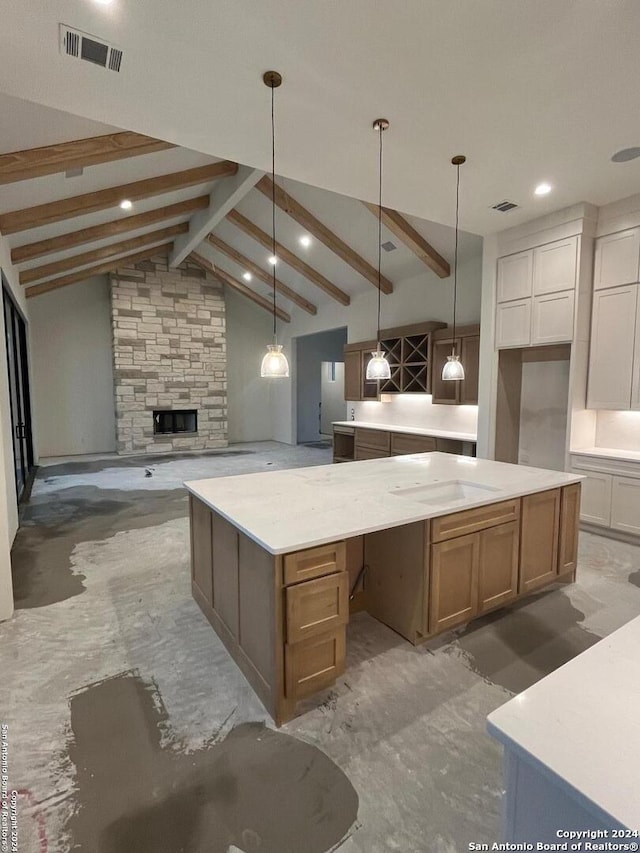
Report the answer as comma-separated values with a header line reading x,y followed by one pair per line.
x,y
542,189
626,154
305,241
246,276
103,2
126,204
273,260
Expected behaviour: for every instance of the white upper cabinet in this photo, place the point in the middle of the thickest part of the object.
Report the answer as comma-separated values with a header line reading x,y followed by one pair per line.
x,y
617,259
613,329
515,276
513,324
552,320
554,266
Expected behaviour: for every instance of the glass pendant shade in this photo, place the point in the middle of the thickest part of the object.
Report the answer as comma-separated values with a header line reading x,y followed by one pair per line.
x,y
274,364
378,367
453,369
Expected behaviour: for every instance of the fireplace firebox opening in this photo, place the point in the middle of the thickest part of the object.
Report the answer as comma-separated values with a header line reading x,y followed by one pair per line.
x,y
167,421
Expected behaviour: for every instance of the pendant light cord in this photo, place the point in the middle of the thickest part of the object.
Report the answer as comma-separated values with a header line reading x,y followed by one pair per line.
x,y
273,203
381,131
455,260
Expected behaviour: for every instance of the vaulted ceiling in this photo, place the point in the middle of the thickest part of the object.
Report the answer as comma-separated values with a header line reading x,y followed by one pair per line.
x,y
60,211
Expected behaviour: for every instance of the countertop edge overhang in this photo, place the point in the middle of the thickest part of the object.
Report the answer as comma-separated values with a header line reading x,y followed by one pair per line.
x,y
409,430
353,498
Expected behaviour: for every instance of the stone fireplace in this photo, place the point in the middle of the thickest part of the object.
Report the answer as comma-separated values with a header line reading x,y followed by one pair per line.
x,y
170,358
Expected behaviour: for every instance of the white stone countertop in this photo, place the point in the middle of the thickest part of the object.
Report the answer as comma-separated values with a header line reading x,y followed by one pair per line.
x,y
436,433
608,453
579,726
290,510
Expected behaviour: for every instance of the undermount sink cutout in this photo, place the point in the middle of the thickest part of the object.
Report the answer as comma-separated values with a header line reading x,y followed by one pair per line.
x,y
445,492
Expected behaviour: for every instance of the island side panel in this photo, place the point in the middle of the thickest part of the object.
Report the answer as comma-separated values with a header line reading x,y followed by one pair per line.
x,y
569,532
244,610
200,524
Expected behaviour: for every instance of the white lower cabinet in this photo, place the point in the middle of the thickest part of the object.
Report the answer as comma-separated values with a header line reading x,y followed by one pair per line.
x,y
513,324
625,505
595,499
552,320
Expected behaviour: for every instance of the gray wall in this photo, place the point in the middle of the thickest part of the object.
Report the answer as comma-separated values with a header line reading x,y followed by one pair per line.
x,y
543,414
311,351
249,330
72,370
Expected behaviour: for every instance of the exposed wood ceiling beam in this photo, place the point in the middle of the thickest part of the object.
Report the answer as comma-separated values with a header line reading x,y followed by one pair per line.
x,y
288,257
99,269
50,159
30,251
223,276
67,208
66,264
259,273
403,230
320,231
223,199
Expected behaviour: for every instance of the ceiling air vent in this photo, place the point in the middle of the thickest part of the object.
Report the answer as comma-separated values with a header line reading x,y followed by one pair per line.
x,y
504,206
90,48
389,246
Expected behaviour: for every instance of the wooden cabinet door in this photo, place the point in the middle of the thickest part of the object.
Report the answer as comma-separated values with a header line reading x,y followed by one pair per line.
x,y
453,590
317,606
498,572
515,276
353,375
539,539
612,343
368,453
569,525
470,358
595,505
201,566
617,259
554,266
552,320
314,663
625,505
513,324
443,391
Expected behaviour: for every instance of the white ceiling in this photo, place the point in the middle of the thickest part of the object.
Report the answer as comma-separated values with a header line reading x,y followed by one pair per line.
x,y
529,90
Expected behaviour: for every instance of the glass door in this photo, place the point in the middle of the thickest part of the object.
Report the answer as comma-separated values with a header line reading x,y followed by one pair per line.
x,y
16,345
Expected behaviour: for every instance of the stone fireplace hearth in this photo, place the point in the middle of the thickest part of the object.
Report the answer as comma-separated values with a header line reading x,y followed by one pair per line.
x,y
169,346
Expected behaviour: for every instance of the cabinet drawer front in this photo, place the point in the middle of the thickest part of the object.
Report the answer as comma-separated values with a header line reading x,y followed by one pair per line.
x,y
411,443
314,664
470,520
375,438
314,562
361,453
317,606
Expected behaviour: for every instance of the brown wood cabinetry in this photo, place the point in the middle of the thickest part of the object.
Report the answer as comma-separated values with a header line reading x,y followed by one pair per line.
x,y
201,574
569,524
225,573
454,582
317,606
498,569
314,562
539,540
471,520
352,374
314,664
467,343
402,444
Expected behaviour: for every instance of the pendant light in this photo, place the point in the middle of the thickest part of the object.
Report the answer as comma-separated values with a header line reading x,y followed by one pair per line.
x,y
453,369
378,367
274,363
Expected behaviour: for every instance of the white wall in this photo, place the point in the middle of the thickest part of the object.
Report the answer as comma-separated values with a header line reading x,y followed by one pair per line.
x,y
72,370
8,500
422,297
334,407
249,330
619,430
416,410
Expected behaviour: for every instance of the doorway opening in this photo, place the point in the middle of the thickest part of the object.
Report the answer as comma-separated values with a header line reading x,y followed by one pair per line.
x,y
320,384
15,330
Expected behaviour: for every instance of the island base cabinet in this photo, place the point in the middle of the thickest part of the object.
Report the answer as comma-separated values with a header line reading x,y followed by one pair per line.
x,y
201,574
569,526
539,540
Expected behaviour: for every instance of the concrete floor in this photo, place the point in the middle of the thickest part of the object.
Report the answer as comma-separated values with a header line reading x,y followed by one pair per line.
x,y
132,731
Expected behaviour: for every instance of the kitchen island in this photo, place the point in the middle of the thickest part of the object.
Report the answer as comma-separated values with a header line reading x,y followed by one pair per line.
x,y
423,542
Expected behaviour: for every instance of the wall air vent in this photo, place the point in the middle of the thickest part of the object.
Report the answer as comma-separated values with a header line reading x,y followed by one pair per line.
x,y
504,206
90,48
